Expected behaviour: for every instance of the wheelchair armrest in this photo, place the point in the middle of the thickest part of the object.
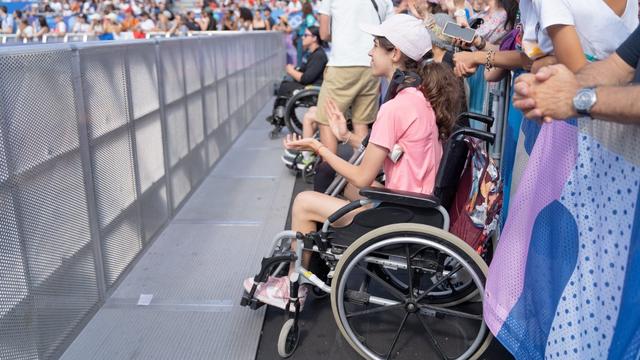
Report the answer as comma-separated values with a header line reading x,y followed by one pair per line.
x,y
400,197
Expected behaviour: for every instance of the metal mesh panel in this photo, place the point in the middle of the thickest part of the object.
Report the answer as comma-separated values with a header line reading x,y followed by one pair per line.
x,y
211,107
120,244
223,101
60,264
144,79
155,209
180,183
105,91
198,164
172,70
149,151
208,60
177,132
190,56
221,64
196,122
36,104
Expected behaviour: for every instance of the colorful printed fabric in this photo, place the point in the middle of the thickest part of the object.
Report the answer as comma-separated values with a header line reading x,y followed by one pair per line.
x,y
564,283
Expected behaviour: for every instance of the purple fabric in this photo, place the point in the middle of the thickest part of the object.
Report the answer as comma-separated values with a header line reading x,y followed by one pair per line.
x,y
557,141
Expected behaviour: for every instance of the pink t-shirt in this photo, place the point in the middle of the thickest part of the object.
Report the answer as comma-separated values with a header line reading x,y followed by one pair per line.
x,y
409,121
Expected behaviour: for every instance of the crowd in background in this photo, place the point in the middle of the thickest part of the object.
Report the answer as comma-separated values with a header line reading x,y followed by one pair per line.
x,y
116,19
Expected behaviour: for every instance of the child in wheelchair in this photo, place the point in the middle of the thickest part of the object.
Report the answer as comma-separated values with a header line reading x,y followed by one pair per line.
x,y
405,141
309,74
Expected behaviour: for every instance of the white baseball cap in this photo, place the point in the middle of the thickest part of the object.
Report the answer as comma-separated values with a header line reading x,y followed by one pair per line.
x,y
405,32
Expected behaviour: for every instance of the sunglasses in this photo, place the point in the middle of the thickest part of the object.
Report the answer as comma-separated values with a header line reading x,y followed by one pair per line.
x,y
307,35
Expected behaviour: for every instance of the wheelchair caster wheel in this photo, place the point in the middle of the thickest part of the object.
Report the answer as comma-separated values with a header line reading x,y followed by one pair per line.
x,y
318,293
308,173
273,134
288,339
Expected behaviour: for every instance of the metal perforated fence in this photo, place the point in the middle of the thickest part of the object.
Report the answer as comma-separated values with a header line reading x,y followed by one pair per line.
x,y
100,144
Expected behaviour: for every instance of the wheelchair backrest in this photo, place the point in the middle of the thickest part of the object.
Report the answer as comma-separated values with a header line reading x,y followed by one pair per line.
x,y
469,187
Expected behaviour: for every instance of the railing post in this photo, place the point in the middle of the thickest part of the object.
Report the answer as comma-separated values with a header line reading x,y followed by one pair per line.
x,y
163,127
85,156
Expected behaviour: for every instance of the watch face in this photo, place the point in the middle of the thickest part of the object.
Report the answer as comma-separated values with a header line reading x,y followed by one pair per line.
x,y
585,99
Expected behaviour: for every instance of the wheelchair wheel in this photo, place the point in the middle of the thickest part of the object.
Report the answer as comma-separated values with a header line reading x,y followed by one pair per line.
x,y
381,321
288,339
297,106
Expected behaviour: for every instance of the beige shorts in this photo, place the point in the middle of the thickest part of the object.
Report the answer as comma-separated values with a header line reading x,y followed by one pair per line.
x,y
353,86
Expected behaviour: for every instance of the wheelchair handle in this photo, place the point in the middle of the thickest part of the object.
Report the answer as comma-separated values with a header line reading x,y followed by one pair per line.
x,y
487,120
475,133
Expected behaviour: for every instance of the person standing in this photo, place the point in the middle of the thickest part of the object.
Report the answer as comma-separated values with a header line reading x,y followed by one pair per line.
x,y
348,80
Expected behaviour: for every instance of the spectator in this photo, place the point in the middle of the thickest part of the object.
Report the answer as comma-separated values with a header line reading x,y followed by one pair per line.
x,y
208,22
499,17
269,18
43,27
294,5
245,19
7,21
190,22
163,24
259,23
178,27
61,27
146,24
348,78
283,25
25,31
56,6
551,92
96,27
130,22
81,26
308,20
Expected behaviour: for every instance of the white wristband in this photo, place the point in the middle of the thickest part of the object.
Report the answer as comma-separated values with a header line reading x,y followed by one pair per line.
x,y
460,13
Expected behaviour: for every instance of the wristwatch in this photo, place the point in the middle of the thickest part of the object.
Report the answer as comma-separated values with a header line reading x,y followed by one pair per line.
x,y
460,13
584,100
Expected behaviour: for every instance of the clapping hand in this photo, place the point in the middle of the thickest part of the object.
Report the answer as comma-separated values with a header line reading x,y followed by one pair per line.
x,y
295,142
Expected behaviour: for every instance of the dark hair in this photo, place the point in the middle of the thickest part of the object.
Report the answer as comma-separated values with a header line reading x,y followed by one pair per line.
x,y
3,8
43,21
18,13
307,9
315,31
439,85
511,7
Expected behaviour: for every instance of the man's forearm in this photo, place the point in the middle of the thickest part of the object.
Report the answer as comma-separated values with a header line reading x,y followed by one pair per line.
x,y
612,71
618,104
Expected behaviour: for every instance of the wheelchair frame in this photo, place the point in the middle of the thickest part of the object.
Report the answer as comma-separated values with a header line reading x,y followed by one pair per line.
x,y
319,242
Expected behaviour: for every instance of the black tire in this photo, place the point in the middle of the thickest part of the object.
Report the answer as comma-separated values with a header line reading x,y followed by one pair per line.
x,y
304,99
404,235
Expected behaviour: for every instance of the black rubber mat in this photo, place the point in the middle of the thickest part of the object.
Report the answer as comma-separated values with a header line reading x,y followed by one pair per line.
x,y
320,337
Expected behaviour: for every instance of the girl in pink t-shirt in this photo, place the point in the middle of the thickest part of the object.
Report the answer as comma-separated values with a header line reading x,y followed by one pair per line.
x,y
414,122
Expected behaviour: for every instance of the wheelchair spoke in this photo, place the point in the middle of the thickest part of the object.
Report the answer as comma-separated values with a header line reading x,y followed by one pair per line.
x,y
395,292
434,342
409,271
433,286
395,339
375,310
450,312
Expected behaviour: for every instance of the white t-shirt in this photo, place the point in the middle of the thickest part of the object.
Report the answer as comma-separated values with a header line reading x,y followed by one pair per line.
x,y
600,30
147,25
294,6
81,27
349,44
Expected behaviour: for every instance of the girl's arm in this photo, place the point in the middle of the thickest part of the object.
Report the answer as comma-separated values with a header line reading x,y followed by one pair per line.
x,y
358,175
566,46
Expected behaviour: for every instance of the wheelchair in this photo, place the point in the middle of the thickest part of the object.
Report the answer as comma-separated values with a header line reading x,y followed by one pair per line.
x,y
289,111
410,264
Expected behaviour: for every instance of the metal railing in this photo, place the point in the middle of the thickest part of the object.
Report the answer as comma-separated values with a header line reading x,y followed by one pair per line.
x,y
100,145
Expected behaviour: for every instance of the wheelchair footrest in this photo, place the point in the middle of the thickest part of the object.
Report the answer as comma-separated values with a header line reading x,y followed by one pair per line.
x,y
251,302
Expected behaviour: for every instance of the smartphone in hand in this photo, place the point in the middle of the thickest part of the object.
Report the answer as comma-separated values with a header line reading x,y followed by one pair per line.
x,y
456,31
